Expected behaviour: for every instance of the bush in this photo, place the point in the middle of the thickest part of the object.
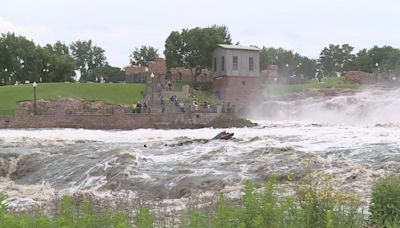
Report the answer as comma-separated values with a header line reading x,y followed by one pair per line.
x,y
313,202
320,205
385,203
144,219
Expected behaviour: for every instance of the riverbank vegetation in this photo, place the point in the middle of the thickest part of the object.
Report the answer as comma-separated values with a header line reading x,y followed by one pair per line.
x,y
329,82
314,202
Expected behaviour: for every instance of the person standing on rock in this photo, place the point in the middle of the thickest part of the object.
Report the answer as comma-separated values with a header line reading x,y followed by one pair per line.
x,y
162,104
169,83
182,106
318,75
138,107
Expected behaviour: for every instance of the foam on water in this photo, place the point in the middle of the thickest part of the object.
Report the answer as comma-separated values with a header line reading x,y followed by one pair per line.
x,y
173,164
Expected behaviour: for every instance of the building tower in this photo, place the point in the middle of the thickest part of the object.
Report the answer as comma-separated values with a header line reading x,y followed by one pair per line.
x,y
236,76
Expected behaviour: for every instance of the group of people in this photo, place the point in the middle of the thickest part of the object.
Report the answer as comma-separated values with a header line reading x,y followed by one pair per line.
x,y
179,104
168,85
139,107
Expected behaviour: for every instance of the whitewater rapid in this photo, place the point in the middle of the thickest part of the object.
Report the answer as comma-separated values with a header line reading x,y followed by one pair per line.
x,y
36,164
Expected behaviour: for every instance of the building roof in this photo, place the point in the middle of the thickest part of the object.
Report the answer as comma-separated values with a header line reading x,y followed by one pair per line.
x,y
156,67
228,46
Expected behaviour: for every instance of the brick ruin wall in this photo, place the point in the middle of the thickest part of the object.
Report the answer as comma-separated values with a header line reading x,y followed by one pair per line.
x,y
238,91
117,120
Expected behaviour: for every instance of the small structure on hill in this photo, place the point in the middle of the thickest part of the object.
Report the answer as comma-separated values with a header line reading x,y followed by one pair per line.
x,y
138,74
270,74
236,74
359,77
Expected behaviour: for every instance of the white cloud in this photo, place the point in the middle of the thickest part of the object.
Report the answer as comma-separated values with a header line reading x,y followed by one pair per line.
x,y
29,31
119,26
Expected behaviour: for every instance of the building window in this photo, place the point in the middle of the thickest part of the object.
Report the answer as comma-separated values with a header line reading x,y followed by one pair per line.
x,y
235,62
215,64
222,63
251,63
179,76
168,75
218,94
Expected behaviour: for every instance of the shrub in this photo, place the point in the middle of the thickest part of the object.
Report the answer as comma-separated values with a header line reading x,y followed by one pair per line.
x,y
193,219
320,205
225,215
385,203
144,218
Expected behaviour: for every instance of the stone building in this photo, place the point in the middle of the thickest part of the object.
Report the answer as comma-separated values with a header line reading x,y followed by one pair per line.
x,y
270,74
236,76
137,74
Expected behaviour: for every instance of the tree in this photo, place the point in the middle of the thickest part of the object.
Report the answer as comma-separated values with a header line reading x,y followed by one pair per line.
x,y
363,61
21,60
56,64
336,58
192,48
288,62
143,55
110,73
87,57
20,57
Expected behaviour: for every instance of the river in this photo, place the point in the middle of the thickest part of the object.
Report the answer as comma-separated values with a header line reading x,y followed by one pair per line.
x,y
355,137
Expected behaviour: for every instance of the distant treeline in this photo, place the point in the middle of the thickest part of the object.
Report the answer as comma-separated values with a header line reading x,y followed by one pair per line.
x,y
21,59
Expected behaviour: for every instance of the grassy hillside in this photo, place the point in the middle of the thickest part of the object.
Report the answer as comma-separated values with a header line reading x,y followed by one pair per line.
x,y
109,93
331,82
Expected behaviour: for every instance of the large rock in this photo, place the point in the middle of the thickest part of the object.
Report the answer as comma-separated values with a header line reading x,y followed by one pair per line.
x,y
68,106
359,77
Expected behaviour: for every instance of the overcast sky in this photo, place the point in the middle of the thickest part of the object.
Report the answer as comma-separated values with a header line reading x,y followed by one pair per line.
x,y
118,26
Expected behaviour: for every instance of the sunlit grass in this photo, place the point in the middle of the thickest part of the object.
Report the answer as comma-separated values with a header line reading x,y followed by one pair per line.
x,y
331,82
109,93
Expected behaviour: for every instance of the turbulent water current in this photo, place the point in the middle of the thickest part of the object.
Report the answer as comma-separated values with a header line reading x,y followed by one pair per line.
x,y
355,137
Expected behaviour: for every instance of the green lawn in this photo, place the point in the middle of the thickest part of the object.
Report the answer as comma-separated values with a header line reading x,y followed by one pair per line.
x,y
331,82
109,93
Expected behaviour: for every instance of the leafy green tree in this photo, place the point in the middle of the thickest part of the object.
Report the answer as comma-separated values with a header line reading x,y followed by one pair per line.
x,y
363,61
87,57
288,63
60,48
268,56
192,48
387,57
336,58
20,57
111,74
56,64
384,59
172,51
143,55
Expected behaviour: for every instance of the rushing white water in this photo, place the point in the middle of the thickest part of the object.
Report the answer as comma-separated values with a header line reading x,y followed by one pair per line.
x,y
174,164
368,107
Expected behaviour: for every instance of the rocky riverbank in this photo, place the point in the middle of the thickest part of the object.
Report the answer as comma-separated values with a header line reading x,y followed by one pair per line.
x,y
223,120
76,113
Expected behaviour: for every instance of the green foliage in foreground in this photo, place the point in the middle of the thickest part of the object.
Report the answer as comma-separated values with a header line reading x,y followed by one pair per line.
x,y
313,203
331,82
385,203
68,215
109,93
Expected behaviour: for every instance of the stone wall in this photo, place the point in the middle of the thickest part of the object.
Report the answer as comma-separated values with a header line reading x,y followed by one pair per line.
x,y
238,91
117,120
